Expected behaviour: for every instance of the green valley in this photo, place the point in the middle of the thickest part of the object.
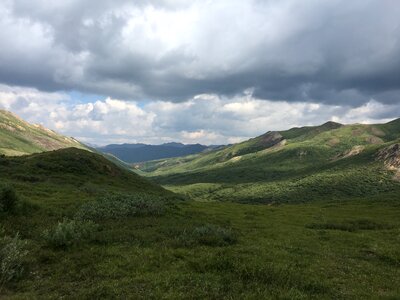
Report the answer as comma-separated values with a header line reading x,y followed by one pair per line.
x,y
324,162
200,150
308,213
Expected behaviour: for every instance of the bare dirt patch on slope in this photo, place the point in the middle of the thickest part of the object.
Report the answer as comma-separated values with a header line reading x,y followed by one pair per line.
x,y
391,159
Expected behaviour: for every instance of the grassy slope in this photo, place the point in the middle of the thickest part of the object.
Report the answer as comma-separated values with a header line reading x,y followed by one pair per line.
x,y
71,169
18,137
218,157
312,164
298,251
278,254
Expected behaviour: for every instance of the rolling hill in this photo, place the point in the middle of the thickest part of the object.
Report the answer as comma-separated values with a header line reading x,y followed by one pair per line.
x,y
72,169
300,164
18,137
82,227
133,153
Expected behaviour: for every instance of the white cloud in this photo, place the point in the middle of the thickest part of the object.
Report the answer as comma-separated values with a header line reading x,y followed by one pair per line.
x,y
207,119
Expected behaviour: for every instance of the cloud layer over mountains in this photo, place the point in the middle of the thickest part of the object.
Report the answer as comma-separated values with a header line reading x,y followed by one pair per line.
x,y
253,59
207,119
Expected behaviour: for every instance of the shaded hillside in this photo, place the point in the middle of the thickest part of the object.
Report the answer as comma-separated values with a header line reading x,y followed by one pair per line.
x,y
132,153
73,167
18,137
299,164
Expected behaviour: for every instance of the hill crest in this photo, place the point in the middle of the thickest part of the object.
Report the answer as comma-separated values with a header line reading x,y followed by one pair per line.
x,y
19,137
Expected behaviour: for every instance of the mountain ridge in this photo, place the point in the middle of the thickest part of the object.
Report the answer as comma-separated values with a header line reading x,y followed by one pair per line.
x,y
308,163
19,137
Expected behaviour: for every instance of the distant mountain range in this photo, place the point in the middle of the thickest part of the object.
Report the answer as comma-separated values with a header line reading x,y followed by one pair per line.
x,y
133,153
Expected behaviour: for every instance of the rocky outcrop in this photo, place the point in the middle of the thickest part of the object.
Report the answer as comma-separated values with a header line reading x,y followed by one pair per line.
x,y
355,150
270,139
391,158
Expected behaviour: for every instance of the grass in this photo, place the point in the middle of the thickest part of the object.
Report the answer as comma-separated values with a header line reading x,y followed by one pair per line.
x,y
274,254
316,228
208,235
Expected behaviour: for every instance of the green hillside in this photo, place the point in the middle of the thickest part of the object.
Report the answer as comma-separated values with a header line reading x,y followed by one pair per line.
x,y
75,225
300,164
18,137
83,228
72,167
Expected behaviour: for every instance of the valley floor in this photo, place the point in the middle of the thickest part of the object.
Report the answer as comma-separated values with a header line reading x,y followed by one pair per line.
x,y
324,250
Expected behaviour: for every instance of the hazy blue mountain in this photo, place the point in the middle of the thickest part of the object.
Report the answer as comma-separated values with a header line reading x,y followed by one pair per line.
x,y
133,153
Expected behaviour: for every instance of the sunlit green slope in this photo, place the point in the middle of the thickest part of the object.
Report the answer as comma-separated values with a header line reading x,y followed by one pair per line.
x,y
18,137
299,164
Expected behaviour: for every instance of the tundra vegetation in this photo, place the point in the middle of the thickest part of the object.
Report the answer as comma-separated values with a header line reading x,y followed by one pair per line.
x,y
298,214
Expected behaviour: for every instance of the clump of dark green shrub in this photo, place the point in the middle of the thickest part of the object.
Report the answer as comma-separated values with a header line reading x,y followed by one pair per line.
x,y
12,254
3,160
70,232
91,189
115,206
8,199
350,226
208,235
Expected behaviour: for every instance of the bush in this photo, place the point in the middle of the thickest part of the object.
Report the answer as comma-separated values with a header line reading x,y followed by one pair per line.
x,y
350,226
115,206
8,199
12,254
208,235
70,232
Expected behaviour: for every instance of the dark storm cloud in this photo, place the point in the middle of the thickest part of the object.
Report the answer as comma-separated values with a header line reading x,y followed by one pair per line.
x,y
333,52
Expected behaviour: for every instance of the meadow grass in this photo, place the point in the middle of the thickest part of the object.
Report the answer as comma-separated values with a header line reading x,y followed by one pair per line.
x,y
271,252
337,236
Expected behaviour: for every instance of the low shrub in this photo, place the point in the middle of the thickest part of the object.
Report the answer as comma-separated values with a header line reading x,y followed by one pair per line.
x,y
91,189
12,254
3,160
70,232
115,206
208,235
350,226
8,199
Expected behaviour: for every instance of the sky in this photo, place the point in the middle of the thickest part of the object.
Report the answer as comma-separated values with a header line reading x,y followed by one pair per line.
x,y
211,72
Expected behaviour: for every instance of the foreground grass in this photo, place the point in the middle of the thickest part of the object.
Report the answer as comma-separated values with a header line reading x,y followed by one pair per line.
x,y
292,251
